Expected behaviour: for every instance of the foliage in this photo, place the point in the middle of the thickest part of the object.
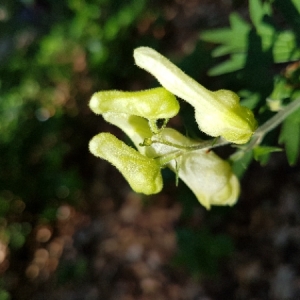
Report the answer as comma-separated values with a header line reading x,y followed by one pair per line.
x,y
251,50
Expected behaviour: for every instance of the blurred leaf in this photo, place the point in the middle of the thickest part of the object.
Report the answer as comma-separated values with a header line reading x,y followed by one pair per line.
x,y
236,62
4,295
235,41
240,162
285,47
258,10
290,137
290,9
262,153
249,99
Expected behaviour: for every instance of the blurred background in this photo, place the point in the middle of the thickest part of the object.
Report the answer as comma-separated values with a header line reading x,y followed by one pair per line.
x,y
70,227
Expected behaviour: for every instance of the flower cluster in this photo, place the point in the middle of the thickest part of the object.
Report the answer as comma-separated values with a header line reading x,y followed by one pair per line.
x,y
218,114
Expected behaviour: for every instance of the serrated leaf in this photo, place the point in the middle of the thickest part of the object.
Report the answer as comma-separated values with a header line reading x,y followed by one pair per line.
x,y
236,62
238,24
258,10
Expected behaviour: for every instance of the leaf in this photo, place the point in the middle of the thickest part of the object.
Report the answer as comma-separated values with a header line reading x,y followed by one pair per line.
x,y
262,153
236,63
297,5
290,137
233,41
238,24
285,47
249,99
235,38
256,12
216,35
241,161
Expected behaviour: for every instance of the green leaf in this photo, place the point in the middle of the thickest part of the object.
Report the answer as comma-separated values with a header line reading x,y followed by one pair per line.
x,y
257,11
216,35
236,63
240,162
262,153
249,99
290,137
285,47
297,5
238,24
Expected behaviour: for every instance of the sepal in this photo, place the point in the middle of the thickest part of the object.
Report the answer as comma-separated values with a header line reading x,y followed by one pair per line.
x,y
141,172
156,103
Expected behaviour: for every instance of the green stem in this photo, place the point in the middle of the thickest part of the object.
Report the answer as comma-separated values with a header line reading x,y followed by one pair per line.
x,y
271,124
166,158
217,142
279,117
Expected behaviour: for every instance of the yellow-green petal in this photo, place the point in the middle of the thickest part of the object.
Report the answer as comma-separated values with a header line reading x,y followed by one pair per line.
x,y
141,172
157,103
217,113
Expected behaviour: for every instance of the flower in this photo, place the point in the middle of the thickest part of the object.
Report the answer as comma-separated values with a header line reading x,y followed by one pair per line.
x,y
217,113
208,176
157,103
141,172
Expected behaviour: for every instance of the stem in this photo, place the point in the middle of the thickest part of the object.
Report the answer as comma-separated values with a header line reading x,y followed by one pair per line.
x,y
217,142
271,124
279,117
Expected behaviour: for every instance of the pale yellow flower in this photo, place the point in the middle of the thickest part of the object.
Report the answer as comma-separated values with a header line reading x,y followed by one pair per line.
x,y
217,113
208,176
157,103
141,172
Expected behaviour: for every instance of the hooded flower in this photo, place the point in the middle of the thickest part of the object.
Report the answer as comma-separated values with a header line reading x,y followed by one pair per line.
x,y
141,172
157,103
217,113
208,176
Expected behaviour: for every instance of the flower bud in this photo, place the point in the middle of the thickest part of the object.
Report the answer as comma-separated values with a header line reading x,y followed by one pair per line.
x,y
210,178
141,172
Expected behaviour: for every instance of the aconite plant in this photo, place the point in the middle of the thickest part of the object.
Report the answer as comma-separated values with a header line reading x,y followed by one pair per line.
x,y
219,114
